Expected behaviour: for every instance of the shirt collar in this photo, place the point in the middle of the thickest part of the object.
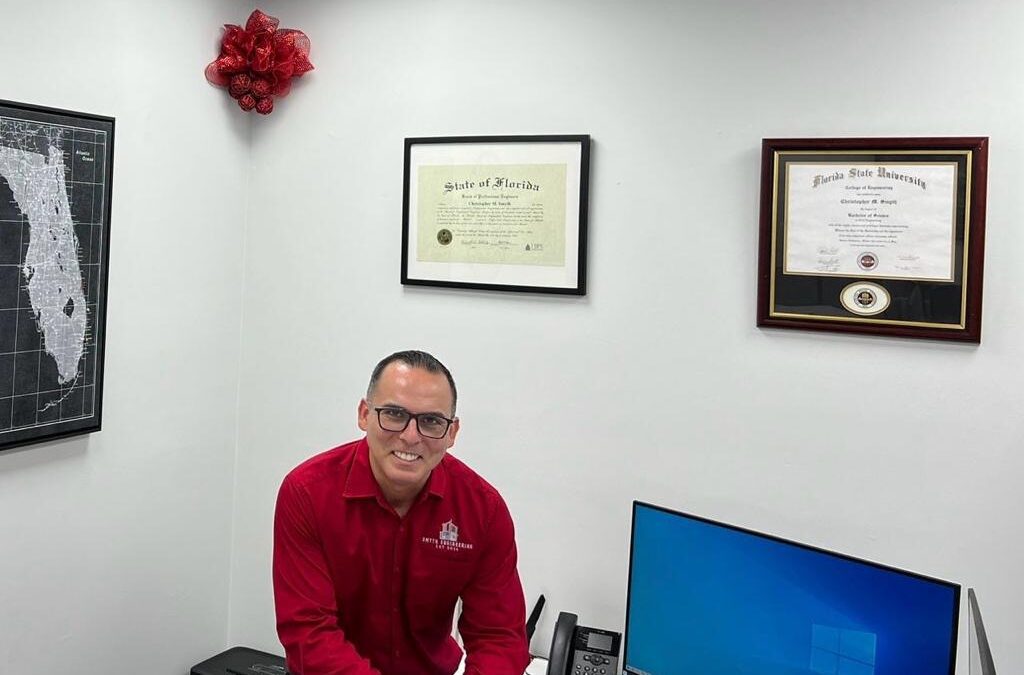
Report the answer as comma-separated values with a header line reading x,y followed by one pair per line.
x,y
437,484
361,484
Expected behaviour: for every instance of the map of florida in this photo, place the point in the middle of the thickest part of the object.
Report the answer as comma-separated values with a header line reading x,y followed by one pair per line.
x,y
53,277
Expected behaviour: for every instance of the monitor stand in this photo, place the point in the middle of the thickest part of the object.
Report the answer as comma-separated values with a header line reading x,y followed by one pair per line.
x,y
980,655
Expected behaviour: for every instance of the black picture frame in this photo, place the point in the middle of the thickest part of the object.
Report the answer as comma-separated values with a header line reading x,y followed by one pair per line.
x,y
829,283
55,196
496,213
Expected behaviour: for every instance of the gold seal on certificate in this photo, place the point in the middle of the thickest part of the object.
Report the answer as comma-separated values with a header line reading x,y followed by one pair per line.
x,y
867,261
865,298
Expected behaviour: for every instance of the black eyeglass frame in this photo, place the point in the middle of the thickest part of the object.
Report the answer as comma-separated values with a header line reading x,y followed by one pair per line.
x,y
413,416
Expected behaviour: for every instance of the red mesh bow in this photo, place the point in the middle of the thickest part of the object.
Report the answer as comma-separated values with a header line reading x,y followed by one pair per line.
x,y
259,61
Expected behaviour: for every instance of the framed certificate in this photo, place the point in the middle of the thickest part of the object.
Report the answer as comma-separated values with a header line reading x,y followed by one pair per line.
x,y
501,213
882,236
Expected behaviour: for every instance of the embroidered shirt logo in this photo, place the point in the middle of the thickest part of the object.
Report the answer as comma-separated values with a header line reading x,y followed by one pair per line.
x,y
449,532
448,539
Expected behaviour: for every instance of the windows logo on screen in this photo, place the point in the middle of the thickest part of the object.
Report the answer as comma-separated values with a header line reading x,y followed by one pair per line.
x,y
838,651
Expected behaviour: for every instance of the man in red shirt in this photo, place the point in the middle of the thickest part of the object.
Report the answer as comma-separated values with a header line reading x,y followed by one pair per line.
x,y
376,540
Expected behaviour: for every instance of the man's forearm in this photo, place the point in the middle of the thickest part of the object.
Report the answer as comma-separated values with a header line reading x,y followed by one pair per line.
x,y
320,650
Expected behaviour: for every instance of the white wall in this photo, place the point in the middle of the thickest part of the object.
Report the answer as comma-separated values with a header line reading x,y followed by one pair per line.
x,y
115,548
657,385
118,547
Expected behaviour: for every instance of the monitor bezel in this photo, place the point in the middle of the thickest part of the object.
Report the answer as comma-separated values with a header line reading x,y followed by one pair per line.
x,y
954,636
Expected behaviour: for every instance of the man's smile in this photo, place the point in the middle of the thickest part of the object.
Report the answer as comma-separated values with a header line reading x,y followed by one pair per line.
x,y
405,456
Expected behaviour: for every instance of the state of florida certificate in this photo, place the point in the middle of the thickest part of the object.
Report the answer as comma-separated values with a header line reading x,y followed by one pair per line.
x,y
496,212
512,214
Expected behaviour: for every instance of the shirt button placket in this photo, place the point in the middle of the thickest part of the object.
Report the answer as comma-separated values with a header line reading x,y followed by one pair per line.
x,y
396,585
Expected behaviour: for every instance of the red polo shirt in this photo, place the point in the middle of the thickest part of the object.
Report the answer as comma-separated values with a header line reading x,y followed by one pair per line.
x,y
360,590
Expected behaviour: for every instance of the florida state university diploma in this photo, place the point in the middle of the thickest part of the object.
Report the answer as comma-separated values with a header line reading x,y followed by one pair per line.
x,y
510,214
887,220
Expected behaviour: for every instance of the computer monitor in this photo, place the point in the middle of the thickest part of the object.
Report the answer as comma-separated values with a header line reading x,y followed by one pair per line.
x,y
709,598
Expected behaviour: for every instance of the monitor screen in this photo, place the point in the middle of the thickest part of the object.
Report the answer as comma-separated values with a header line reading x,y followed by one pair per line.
x,y
709,599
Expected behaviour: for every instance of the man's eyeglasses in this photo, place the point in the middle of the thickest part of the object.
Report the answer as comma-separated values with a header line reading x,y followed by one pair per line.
x,y
430,425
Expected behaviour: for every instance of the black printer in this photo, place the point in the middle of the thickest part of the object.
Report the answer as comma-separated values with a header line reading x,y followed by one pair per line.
x,y
241,661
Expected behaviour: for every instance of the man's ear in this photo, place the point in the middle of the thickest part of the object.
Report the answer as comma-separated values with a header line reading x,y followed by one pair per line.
x,y
453,431
364,415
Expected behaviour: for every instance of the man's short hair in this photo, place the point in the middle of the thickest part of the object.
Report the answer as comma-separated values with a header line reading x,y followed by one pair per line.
x,y
414,359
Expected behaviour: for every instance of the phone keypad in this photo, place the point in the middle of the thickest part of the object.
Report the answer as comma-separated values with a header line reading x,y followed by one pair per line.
x,y
596,662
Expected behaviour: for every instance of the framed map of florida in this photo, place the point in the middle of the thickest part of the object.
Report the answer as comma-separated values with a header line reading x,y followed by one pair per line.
x,y
55,189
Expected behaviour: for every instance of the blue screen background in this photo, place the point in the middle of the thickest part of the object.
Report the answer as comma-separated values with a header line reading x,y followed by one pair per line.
x,y
711,600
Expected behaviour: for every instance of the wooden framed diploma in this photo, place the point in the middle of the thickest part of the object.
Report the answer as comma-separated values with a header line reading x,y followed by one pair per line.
x,y
882,236
500,213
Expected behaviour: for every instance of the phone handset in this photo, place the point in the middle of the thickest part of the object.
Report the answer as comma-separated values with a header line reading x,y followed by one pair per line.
x,y
576,650
561,644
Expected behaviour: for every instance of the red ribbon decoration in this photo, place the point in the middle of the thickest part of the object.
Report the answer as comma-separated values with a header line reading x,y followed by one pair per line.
x,y
259,61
